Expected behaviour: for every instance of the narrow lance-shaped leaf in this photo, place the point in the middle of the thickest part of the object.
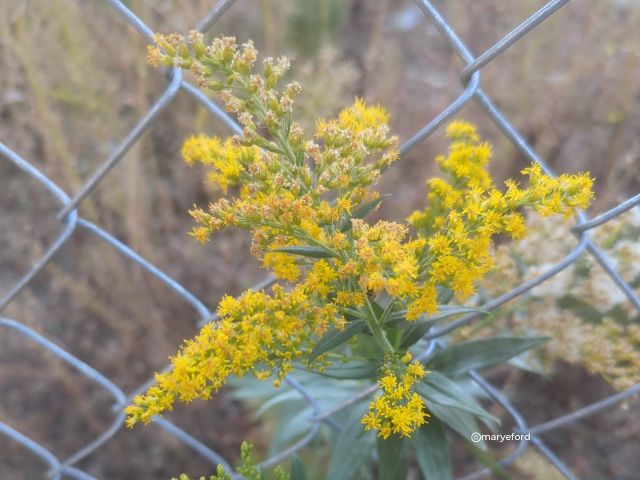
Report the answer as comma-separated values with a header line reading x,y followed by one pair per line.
x,y
458,420
432,451
334,338
361,212
352,447
306,251
415,330
392,458
298,471
353,370
484,457
439,389
458,359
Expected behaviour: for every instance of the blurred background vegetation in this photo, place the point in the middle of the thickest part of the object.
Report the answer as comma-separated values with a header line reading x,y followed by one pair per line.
x,y
74,81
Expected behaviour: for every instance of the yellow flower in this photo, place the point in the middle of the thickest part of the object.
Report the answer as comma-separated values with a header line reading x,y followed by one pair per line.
x,y
388,383
283,266
359,117
514,225
464,131
398,410
320,277
227,160
425,302
347,298
416,370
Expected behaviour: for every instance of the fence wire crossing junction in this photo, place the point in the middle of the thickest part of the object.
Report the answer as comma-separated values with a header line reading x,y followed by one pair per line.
x,y
70,220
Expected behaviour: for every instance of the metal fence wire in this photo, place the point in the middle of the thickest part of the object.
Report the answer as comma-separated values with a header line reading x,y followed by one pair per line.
x,y
71,221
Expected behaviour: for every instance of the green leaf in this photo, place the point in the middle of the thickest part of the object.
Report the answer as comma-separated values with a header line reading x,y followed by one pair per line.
x,y
282,397
447,311
413,333
484,457
392,458
291,422
458,359
444,295
432,451
361,212
367,347
297,469
439,389
306,251
352,447
378,311
351,370
365,209
415,330
458,420
335,337
394,335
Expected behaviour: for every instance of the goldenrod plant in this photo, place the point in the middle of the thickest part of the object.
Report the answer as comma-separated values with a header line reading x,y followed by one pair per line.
x,y
352,298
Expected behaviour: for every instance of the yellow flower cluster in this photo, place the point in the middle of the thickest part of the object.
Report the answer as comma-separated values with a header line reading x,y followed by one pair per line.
x,y
256,333
398,410
385,261
465,210
227,161
303,200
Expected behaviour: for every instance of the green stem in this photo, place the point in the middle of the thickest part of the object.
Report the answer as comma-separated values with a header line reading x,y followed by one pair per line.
x,y
284,144
375,328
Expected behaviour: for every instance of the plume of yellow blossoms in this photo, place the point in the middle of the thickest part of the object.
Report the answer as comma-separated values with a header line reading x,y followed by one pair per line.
x,y
304,202
465,210
398,410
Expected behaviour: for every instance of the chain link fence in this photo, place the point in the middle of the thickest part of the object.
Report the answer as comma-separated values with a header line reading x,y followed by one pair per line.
x,y
71,221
